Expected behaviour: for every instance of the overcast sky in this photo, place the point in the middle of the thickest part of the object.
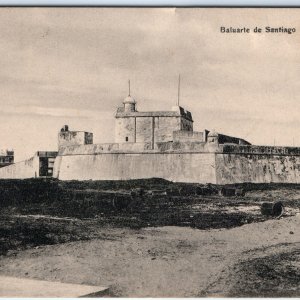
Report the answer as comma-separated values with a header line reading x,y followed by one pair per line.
x,y
71,65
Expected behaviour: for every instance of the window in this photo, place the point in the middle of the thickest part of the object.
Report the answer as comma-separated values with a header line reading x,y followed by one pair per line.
x,y
126,139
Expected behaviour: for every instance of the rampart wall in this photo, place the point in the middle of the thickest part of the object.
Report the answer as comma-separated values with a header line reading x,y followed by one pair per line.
x,y
259,168
172,161
178,167
180,161
260,164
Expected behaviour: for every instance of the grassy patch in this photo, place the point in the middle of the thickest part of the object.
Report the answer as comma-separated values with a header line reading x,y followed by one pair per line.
x,y
275,275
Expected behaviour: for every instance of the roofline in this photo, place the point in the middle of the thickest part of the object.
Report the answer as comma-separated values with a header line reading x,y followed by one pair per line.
x,y
151,114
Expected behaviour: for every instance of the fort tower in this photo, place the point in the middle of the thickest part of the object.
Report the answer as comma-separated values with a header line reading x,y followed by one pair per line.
x,y
132,126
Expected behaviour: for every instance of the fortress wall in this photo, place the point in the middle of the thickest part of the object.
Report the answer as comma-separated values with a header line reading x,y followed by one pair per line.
x,y
180,167
259,168
144,129
25,169
125,127
180,161
163,128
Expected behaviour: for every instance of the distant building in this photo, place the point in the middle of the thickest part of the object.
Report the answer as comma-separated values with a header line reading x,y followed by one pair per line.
x,y
39,165
45,162
6,158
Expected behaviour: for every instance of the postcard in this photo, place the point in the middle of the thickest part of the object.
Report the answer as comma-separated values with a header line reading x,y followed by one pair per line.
x,y
149,152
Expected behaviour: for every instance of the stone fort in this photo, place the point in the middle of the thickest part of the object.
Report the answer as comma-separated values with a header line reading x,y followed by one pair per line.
x,y
160,144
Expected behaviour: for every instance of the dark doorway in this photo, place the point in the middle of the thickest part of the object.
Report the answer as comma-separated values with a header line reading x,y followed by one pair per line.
x,y
43,166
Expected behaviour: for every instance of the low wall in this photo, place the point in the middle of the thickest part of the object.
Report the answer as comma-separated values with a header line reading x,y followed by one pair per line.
x,y
177,167
25,169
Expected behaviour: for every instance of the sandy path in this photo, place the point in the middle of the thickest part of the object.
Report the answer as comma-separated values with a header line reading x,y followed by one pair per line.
x,y
167,261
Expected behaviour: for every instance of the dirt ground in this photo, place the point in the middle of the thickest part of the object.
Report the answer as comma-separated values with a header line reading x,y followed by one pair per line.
x,y
257,259
169,241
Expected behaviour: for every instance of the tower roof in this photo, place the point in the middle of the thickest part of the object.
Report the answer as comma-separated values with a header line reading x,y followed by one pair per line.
x,y
129,100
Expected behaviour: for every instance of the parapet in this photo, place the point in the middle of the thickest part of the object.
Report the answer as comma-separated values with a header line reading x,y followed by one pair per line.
x,y
182,112
188,136
225,139
217,138
177,111
260,150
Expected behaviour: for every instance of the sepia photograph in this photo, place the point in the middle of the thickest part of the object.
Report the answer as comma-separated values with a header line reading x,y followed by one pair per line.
x,y
149,152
